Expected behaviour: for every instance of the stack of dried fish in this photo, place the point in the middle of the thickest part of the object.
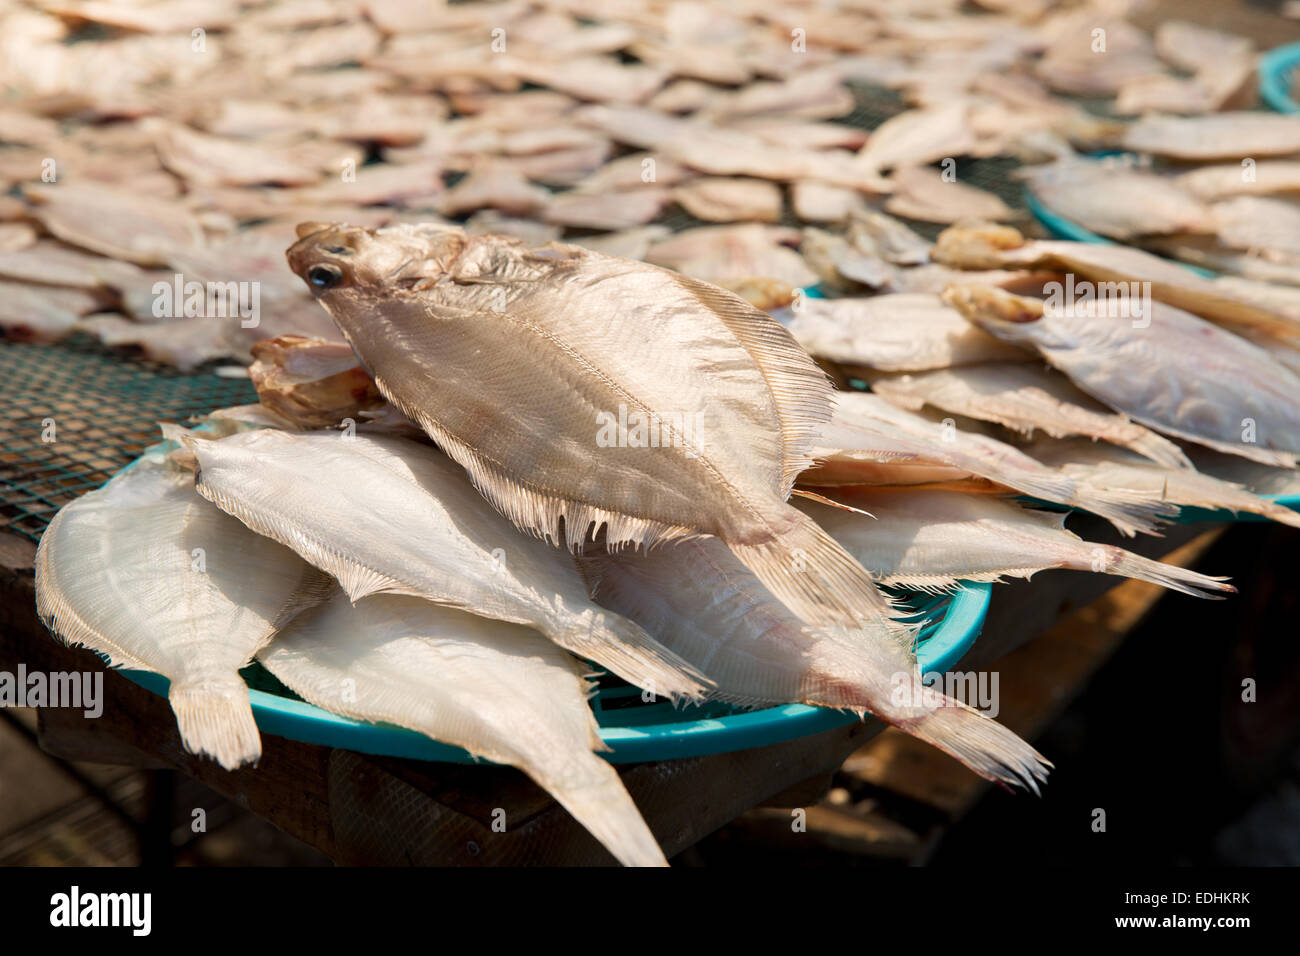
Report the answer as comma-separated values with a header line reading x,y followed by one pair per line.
x,y
509,458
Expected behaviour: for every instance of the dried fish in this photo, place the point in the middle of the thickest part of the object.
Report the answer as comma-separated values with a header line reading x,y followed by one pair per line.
x,y
895,333
35,313
388,515
1025,397
501,691
121,225
725,467
862,422
1218,136
716,199
922,193
1199,382
1102,466
917,137
1238,179
934,539
153,577
1116,200
494,185
710,609
311,382
613,210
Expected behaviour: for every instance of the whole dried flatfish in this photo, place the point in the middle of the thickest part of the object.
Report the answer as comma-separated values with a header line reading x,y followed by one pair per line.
x,y
1266,226
145,230
722,199
1025,397
1198,382
921,192
389,515
917,137
522,363
1116,200
934,539
41,313
1238,179
906,332
500,691
709,608
1217,136
1253,316
493,185
153,577
848,447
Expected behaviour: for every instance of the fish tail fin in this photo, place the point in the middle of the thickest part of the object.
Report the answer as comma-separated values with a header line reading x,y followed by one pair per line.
x,y
1158,448
979,742
1112,560
808,571
1279,513
1129,510
216,718
594,795
858,671
629,651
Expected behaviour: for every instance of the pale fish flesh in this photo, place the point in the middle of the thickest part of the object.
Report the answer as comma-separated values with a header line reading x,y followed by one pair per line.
x,y
1254,316
1116,200
508,357
389,515
1198,382
934,539
500,691
862,420
1217,136
1025,397
1106,467
711,610
904,332
147,573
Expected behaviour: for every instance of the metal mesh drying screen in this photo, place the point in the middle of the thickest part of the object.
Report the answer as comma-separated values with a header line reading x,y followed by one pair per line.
x,y
73,413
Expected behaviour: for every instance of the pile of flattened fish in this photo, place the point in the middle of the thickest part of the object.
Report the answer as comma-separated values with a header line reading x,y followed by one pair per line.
x,y
510,428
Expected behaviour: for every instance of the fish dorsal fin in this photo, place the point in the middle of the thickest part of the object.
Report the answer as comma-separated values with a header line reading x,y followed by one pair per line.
x,y
803,394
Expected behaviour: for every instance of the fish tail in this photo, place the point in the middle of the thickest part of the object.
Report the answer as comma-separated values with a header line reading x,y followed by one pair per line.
x,y
629,651
594,795
1129,510
979,742
1161,450
216,718
1112,560
812,575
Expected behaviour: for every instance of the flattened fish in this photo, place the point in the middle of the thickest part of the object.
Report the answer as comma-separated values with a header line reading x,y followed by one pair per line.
x,y
1025,397
1107,467
933,539
121,225
849,447
1198,382
709,608
501,691
723,199
1252,315
921,192
906,332
522,364
390,515
147,573
1217,136
1116,200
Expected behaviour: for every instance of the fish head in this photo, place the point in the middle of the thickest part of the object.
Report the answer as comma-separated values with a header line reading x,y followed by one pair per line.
x,y
1012,318
335,259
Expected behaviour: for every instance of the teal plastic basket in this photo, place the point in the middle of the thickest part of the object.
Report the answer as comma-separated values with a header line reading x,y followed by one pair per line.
x,y
1276,75
634,729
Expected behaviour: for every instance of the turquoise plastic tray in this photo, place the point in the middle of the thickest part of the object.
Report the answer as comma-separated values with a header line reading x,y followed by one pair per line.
x,y
1276,74
634,730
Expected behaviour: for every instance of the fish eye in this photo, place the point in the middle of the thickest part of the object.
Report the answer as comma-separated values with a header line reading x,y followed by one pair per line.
x,y
324,275
338,250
